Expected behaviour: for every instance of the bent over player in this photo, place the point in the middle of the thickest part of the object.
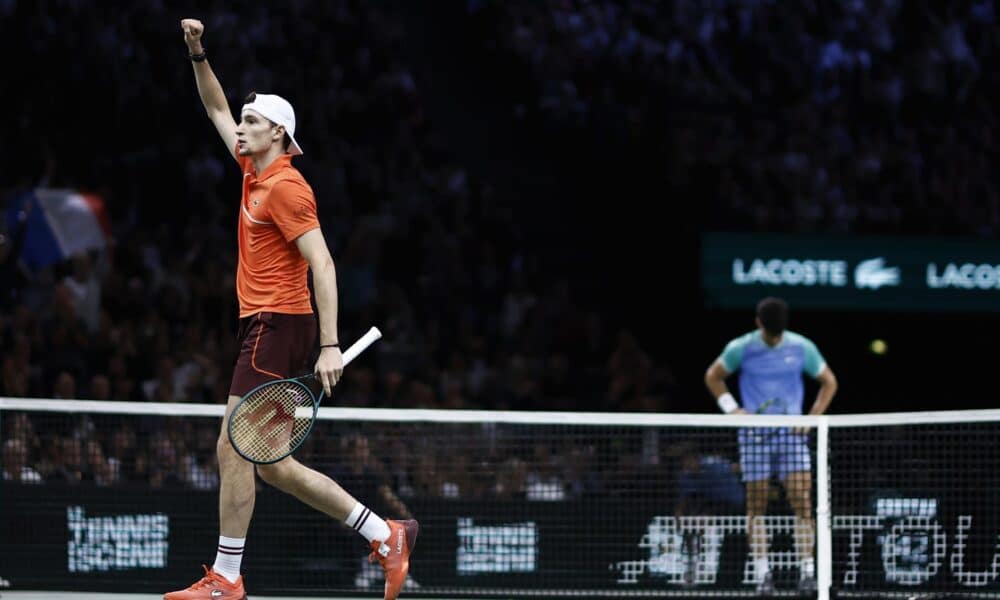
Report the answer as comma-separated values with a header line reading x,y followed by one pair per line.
x,y
279,242
771,361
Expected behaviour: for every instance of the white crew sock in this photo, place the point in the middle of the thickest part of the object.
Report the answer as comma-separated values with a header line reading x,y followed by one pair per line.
x,y
367,523
760,567
807,568
229,557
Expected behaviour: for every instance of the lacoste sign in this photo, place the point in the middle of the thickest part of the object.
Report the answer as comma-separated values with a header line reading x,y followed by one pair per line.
x,y
843,272
872,273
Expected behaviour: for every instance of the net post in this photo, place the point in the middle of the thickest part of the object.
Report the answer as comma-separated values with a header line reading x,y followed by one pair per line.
x,y
824,544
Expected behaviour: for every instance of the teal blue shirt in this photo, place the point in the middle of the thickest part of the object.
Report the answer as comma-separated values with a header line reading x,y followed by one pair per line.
x,y
771,377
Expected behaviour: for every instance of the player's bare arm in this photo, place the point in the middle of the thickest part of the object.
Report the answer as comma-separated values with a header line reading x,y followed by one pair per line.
x,y
330,364
209,87
715,381
827,388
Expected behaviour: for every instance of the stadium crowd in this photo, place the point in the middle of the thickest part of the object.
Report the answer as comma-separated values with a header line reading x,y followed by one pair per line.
x,y
844,116
861,116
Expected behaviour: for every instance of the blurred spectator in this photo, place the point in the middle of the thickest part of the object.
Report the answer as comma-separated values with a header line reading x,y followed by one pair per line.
x,y
364,475
101,470
200,465
15,379
15,463
100,387
71,467
629,368
162,465
13,272
121,454
18,426
64,386
706,484
543,481
511,479
85,290
162,388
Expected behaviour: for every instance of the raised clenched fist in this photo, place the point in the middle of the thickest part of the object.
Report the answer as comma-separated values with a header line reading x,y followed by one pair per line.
x,y
192,34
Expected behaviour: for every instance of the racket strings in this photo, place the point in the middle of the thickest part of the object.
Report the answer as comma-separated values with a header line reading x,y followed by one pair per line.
x,y
272,421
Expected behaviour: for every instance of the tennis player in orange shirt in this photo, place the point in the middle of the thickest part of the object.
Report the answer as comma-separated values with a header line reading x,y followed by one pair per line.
x,y
280,240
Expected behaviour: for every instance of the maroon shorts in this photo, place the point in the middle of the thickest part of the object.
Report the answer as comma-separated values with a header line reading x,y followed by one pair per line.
x,y
272,346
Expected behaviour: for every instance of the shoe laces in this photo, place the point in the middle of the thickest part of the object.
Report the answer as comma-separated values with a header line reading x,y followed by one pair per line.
x,y
210,578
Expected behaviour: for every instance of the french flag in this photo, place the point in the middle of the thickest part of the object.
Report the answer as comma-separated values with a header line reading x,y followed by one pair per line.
x,y
60,224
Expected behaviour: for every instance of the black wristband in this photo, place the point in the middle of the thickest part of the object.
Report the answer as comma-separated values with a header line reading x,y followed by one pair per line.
x,y
198,57
329,346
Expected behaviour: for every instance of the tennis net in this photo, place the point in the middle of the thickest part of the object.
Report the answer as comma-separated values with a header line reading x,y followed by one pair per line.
x,y
516,504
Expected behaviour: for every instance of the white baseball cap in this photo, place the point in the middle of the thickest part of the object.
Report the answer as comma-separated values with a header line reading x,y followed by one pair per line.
x,y
276,109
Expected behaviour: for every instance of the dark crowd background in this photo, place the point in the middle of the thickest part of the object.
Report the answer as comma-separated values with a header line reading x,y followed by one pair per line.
x,y
513,191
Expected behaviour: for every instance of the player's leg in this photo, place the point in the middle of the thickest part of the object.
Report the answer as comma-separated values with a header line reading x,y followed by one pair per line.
x,y
286,346
797,478
236,485
236,502
391,541
798,489
757,495
311,487
755,464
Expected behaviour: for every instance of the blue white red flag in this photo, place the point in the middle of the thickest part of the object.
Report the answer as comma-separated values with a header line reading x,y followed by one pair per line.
x,y
60,224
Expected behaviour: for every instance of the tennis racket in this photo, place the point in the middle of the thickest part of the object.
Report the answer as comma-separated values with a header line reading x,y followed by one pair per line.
x,y
272,420
762,433
765,405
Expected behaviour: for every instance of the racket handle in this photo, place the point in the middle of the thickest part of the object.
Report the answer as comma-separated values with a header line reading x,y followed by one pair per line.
x,y
359,346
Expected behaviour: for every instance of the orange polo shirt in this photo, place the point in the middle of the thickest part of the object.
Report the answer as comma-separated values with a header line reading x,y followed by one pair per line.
x,y
276,208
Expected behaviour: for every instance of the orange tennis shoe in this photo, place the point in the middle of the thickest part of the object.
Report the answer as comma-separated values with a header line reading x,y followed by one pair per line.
x,y
211,587
394,554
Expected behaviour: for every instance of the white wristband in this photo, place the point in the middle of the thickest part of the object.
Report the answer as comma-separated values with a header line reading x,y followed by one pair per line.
x,y
727,403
